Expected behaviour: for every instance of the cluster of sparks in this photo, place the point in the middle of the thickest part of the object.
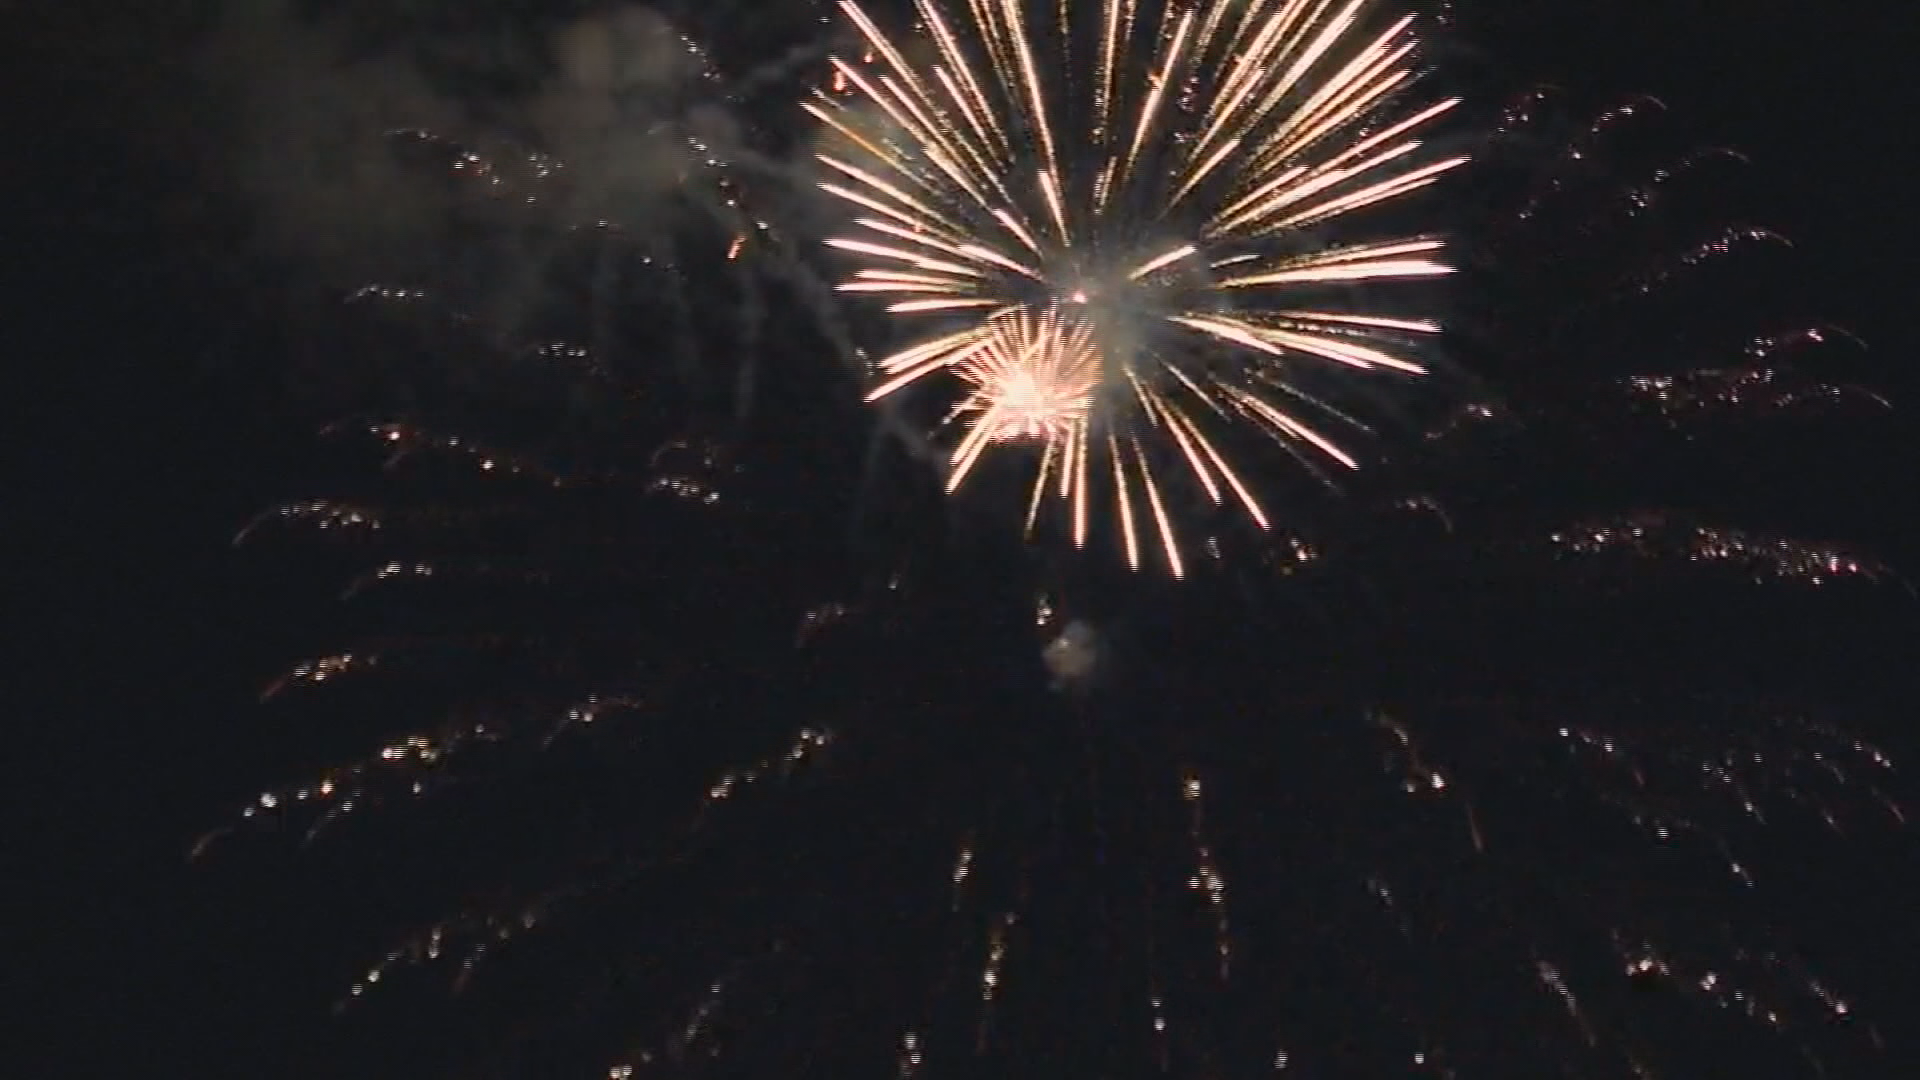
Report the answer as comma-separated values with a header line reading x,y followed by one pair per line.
x,y
1789,765
1206,877
466,938
1748,390
1116,269
415,765
404,440
1761,557
1687,796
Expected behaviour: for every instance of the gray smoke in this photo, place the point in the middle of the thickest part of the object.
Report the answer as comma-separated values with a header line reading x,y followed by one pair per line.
x,y
619,103
1073,658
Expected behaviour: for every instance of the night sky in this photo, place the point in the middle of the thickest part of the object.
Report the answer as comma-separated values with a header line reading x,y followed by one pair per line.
x,y
162,398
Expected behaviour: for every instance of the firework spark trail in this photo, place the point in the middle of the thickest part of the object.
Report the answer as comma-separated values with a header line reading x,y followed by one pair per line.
x,y
404,440
326,515
992,974
1830,775
1760,985
1207,878
416,765
1418,776
473,935
1759,556
693,1033
1729,239
1748,390
1120,297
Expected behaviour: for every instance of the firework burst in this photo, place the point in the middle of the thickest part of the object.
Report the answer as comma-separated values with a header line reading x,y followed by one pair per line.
x,y
1034,379
1144,262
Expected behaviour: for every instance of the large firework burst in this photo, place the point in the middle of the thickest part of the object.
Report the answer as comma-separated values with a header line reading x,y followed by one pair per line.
x,y
1196,234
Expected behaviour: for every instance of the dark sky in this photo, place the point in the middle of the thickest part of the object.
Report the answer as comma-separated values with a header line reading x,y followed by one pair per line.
x,y
152,420
1808,90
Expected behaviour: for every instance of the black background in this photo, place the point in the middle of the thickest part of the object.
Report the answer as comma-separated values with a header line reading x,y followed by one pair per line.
x,y
151,420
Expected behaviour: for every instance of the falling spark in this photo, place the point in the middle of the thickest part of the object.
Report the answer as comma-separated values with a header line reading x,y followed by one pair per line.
x,y
1207,878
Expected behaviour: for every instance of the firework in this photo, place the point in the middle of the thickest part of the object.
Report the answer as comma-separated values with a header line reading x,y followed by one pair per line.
x,y
691,796
1143,260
